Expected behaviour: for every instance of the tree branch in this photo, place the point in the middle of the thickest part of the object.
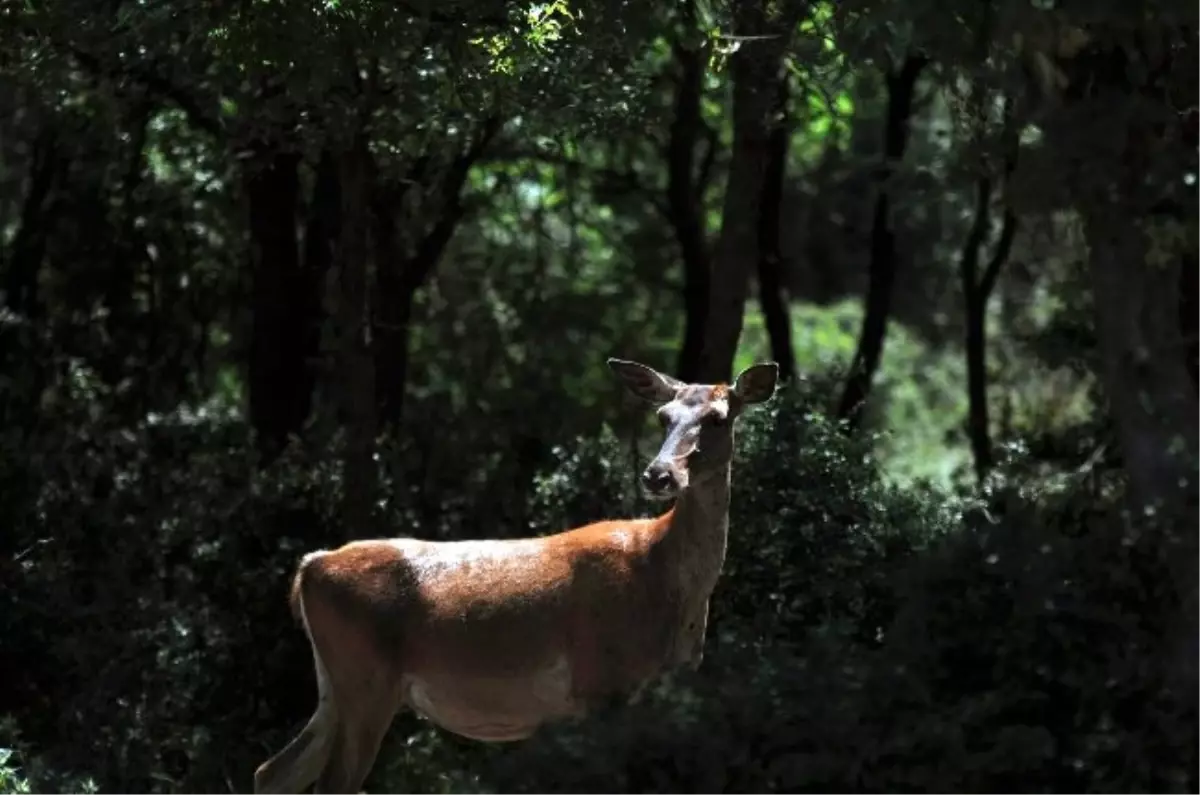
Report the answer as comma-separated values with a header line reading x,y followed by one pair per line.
x,y
628,179
156,84
1008,231
434,242
969,257
1011,141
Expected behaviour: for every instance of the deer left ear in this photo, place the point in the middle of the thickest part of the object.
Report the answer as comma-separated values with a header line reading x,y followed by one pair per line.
x,y
756,384
645,382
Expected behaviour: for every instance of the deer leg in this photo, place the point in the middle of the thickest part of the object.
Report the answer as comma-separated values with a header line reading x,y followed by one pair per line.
x,y
367,697
301,761
360,733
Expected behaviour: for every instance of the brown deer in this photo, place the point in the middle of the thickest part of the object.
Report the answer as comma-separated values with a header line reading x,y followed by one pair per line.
x,y
490,639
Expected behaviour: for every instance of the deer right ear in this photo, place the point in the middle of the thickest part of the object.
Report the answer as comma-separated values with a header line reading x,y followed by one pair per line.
x,y
645,382
756,384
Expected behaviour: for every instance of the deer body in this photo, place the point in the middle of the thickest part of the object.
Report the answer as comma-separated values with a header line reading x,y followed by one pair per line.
x,y
490,639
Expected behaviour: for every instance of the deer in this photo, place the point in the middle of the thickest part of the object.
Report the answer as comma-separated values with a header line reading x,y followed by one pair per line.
x,y
491,639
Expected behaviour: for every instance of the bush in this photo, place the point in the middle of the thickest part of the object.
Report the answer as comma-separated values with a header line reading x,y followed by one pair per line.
x,y
869,638
23,771
864,636
815,533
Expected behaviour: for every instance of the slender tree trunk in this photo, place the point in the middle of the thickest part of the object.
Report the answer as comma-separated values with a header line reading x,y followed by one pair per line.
x,y
320,246
685,202
756,68
977,291
400,278
770,256
392,311
398,298
976,294
281,379
22,294
28,248
883,264
356,364
978,429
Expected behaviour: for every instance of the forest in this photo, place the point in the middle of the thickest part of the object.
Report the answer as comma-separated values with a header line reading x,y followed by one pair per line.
x,y
275,276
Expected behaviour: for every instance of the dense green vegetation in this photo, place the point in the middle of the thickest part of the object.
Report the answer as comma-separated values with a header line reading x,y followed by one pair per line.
x,y
275,276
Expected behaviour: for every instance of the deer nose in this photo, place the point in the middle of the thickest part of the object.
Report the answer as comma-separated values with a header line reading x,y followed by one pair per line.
x,y
656,479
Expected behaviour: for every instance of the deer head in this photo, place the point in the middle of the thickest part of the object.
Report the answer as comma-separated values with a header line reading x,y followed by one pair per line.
x,y
697,421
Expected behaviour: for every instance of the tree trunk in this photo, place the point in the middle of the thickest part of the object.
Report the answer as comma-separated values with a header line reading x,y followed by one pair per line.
x,y
756,71
356,364
976,294
686,204
977,414
881,274
29,244
21,346
1150,392
1125,149
281,377
770,256
1189,312
400,277
392,311
1125,158
1152,400
320,246
976,331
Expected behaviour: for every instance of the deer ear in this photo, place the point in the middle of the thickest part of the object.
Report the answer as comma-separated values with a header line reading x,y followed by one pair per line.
x,y
645,382
756,384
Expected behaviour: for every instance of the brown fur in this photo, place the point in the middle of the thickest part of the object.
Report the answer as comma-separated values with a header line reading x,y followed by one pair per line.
x,y
538,605
294,593
490,639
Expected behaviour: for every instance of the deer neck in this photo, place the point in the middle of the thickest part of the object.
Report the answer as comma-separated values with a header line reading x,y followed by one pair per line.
x,y
700,529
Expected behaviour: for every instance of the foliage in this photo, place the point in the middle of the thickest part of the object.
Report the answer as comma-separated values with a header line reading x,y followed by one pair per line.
x,y
23,771
919,404
849,606
171,220
174,632
856,609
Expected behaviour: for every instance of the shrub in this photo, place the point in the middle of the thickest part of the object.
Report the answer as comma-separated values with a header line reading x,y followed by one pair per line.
x,y
873,638
24,771
815,534
865,636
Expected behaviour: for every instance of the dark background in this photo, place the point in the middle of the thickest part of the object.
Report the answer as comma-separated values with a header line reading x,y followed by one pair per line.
x,y
274,276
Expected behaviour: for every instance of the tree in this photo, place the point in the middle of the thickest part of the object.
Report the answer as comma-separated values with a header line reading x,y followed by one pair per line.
x,y
1125,148
977,288
883,265
770,255
760,38
686,181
